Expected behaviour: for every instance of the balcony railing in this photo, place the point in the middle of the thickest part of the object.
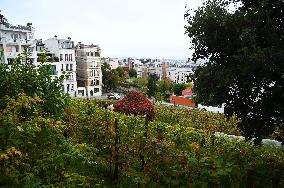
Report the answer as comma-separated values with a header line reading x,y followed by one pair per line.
x,y
19,27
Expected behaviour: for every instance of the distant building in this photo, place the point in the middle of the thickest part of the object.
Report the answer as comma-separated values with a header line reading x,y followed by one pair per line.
x,y
112,62
14,39
64,51
89,71
179,75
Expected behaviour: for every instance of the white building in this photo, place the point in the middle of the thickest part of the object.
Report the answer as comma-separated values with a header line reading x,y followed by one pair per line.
x,y
179,75
14,39
114,63
64,51
89,70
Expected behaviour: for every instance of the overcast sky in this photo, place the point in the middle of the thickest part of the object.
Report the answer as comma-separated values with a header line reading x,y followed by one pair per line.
x,y
123,28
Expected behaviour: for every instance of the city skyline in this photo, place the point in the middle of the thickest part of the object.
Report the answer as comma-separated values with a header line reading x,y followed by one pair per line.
x,y
125,28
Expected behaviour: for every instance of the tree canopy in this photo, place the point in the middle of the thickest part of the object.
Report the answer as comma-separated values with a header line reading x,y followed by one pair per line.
x,y
244,50
132,73
23,77
152,85
113,78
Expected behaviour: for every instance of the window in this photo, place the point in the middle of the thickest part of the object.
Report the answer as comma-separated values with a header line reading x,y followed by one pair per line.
x,y
71,67
53,70
88,54
92,54
72,87
97,82
92,72
66,57
68,87
81,92
62,67
61,57
97,54
70,57
67,67
96,90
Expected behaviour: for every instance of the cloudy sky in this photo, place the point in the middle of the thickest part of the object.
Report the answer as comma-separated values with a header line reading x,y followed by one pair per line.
x,y
123,28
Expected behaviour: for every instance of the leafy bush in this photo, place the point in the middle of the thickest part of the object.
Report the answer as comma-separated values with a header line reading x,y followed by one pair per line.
x,y
175,153
94,146
137,104
33,81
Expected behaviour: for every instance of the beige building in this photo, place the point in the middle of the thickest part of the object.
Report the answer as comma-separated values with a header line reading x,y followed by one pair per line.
x,y
89,73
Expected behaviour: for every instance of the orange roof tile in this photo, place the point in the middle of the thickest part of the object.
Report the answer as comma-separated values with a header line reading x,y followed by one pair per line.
x,y
182,101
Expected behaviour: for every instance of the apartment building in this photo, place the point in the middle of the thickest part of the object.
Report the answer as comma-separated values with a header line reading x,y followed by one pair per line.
x,y
89,73
158,68
14,39
112,62
63,51
179,74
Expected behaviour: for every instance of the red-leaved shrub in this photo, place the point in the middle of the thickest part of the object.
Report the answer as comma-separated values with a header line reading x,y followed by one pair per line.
x,y
137,104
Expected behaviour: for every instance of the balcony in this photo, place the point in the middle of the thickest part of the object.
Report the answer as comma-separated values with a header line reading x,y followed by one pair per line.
x,y
18,42
12,54
10,27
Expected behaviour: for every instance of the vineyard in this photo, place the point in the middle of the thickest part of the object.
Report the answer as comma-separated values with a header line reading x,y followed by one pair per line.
x,y
93,146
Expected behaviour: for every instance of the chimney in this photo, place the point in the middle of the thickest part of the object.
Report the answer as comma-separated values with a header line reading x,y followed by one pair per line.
x,y
55,36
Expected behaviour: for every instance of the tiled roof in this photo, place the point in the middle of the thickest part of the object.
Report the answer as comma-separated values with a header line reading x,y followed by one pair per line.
x,y
182,101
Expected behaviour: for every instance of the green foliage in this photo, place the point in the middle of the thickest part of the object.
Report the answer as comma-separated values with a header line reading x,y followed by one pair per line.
x,y
244,53
140,84
132,73
23,77
165,89
178,149
152,84
1,55
33,149
178,88
113,79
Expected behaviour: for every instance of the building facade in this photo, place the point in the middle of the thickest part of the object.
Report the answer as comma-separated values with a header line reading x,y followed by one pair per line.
x,y
63,51
15,39
89,72
178,74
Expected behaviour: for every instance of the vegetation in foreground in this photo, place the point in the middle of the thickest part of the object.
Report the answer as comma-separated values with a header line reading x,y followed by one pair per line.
x,y
96,147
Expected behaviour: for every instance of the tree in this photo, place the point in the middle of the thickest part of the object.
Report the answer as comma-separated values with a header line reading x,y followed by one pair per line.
x,y
23,77
132,73
109,78
244,50
165,88
178,88
152,85
137,104
112,78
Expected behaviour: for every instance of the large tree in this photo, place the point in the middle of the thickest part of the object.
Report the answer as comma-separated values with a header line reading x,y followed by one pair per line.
x,y
112,78
244,50
152,85
23,77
